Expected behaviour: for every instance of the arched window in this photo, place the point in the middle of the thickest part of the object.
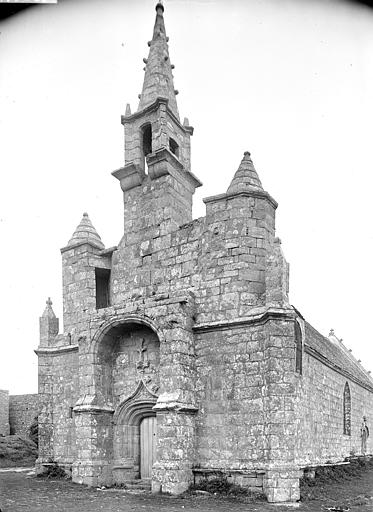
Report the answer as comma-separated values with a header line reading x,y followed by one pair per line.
x,y
298,348
174,148
347,410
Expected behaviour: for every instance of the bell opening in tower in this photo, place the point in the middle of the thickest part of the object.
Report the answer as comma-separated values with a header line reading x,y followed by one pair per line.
x,y
146,142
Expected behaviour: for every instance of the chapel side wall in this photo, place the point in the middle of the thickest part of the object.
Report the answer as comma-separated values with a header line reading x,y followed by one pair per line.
x,y
320,429
230,420
65,396
23,409
4,412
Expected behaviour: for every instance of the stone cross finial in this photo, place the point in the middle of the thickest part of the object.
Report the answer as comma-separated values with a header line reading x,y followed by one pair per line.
x,y
331,333
49,302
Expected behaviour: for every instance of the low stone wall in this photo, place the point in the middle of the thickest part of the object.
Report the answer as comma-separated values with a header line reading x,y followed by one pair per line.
x,y
22,411
4,412
251,479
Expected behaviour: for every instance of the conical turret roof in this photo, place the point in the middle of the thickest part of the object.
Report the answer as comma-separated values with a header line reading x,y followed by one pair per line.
x,y
246,177
48,311
85,232
158,80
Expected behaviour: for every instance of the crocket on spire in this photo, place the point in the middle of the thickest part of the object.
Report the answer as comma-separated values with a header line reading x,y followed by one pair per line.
x,y
158,80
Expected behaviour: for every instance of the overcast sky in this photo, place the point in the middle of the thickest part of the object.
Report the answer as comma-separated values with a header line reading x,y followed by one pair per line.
x,y
291,81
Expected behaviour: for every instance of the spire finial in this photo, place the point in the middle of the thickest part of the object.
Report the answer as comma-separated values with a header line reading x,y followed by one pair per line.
x,y
159,6
49,302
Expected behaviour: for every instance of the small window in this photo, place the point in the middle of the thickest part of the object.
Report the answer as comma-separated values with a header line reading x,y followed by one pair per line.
x,y
298,348
347,410
71,410
174,148
102,288
147,139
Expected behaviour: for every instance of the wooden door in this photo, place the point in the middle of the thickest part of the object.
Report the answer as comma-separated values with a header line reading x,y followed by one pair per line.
x,y
148,441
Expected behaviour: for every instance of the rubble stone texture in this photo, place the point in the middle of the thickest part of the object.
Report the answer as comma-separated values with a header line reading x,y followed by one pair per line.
x,y
188,321
23,409
4,413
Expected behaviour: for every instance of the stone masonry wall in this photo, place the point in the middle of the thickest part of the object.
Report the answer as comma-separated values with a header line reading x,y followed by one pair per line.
x,y
22,411
65,395
4,412
230,422
320,434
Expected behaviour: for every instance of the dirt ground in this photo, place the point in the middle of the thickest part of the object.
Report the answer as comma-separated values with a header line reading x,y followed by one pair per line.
x,y
21,492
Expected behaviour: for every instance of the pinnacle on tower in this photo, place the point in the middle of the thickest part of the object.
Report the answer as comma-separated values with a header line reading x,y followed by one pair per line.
x,y
158,80
48,311
48,325
85,232
246,177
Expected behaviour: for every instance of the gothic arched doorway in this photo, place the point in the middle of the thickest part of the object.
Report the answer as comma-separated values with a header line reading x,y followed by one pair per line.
x,y
127,378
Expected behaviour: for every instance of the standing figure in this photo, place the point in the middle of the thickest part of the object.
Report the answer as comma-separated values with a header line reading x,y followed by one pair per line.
x,y
364,434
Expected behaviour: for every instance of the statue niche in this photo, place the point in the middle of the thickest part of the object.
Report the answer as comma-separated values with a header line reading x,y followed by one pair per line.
x,y
128,378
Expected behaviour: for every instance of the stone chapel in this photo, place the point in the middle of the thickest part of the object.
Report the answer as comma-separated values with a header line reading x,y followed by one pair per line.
x,y
181,357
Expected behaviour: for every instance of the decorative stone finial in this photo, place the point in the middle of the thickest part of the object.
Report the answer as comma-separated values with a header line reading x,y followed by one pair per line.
x,y
128,109
85,214
159,6
247,153
49,302
186,121
331,333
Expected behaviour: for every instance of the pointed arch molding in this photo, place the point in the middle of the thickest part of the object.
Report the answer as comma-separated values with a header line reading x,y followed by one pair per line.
x,y
136,406
122,320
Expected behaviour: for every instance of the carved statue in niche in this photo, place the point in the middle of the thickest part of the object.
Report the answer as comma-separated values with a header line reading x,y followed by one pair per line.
x,y
364,434
143,362
143,366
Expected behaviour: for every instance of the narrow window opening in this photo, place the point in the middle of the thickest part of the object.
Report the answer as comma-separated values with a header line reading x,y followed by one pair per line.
x,y
102,288
146,143
347,410
174,148
298,348
71,412
147,139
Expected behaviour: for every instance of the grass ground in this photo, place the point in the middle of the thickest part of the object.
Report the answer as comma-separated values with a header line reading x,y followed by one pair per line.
x,y
17,451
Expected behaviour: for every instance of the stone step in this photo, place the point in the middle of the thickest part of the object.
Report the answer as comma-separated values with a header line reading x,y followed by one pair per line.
x,y
140,485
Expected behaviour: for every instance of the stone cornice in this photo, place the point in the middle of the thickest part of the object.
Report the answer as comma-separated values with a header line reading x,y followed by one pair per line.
x,y
314,353
151,108
164,153
78,244
248,193
50,351
93,409
259,318
109,251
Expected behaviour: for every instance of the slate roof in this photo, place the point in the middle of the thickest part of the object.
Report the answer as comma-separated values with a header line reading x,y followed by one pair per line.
x,y
336,355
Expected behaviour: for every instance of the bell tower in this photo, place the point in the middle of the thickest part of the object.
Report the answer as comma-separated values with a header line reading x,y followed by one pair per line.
x,y
156,179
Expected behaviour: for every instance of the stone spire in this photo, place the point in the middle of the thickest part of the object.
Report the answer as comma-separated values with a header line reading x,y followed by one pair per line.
x,y
158,80
48,325
85,232
246,178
